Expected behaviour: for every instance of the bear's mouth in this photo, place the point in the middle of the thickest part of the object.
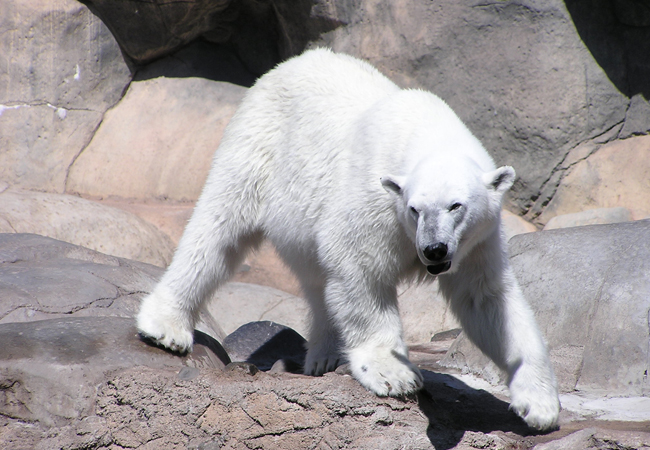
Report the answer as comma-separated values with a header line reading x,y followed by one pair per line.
x,y
436,269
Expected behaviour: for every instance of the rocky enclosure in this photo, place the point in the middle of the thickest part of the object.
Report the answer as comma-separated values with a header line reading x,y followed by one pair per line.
x,y
109,115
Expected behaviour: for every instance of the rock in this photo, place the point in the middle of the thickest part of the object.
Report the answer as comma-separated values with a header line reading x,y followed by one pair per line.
x,y
424,312
265,267
596,216
637,118
142,407
597,274
514,224
266,343
39,142
83,222
41,278
163,131
60,70
488,63
595,439
616,174
49,369
169,217
84,379
236,304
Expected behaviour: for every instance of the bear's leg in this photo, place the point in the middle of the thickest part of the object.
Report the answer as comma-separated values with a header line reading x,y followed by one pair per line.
x,y
486,298
323,348
215,241
371,332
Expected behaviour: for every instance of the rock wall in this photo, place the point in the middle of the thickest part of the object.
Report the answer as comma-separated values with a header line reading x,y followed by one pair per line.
x,y
543,84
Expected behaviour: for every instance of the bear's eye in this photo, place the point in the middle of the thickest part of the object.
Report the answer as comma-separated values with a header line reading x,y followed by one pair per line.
x,y
414,211
455,206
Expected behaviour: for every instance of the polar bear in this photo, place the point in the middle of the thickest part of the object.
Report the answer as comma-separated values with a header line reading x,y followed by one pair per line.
x,y
359,185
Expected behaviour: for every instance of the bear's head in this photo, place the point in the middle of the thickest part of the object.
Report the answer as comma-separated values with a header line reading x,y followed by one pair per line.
x,y
447,207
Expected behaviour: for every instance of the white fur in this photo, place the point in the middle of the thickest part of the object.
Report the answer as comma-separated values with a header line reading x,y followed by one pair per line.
x,y
302,163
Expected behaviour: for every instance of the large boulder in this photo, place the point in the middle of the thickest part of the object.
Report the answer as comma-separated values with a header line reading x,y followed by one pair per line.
x,y
155,407
158,141
60,69
517,73
590,289
83,222
42,278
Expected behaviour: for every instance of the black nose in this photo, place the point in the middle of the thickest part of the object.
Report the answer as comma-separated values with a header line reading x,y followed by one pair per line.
x,y
435,252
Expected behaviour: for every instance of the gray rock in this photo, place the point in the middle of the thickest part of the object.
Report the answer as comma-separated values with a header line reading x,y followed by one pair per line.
x,y
236,304
60,70
50,369
590,289
637,118
141,407
597,439
264,344
42,278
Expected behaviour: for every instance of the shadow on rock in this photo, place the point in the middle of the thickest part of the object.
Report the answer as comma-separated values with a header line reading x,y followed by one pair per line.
x,y
617,34
453,408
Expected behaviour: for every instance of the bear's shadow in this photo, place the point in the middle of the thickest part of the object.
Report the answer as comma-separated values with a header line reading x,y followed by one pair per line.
x,y
452,408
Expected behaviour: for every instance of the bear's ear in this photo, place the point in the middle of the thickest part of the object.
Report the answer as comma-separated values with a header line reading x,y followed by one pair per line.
x,y
392,183
500,180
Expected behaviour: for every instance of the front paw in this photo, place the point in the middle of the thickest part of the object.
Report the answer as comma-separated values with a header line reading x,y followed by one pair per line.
x,y
385,371
162,324
534,398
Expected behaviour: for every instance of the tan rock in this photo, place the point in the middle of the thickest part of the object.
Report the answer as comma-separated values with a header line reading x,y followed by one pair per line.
x,y
616,175
169,217
266,268
424,312
590,217
514,224
83,222
158,141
